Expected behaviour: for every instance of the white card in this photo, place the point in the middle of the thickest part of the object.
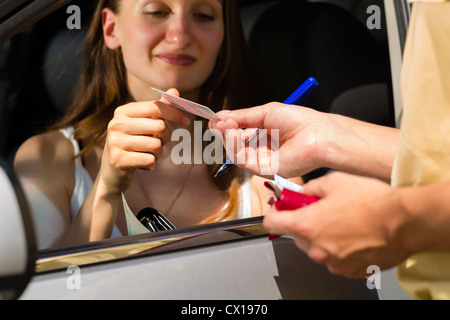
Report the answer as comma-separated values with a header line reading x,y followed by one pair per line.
x,y
188,106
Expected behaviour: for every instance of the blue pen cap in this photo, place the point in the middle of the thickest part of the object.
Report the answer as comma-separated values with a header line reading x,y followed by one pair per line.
x,y
302,92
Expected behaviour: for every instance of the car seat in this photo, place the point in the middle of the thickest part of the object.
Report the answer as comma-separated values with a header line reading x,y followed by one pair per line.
x,y
290,41
46,63
63,62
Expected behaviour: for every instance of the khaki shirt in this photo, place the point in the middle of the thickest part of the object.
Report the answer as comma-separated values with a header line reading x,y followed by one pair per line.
x,y
424,150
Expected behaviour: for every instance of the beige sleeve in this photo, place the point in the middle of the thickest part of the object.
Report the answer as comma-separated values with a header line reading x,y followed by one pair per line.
x,y
424,149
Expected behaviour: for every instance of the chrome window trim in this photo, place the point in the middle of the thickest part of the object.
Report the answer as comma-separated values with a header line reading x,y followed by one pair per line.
x,y
403,12
52,260
26,16
397,14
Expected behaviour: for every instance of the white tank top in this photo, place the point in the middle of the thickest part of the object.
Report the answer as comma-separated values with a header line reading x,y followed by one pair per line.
x,y
83,182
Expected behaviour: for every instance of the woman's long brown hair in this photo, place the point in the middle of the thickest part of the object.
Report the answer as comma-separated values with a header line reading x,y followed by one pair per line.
x,y
103,87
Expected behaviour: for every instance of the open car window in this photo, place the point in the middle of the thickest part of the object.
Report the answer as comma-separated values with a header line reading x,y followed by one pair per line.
x,y
343,44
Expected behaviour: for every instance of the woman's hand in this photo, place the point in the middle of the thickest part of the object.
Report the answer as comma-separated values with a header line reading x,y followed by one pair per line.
x,y
135,137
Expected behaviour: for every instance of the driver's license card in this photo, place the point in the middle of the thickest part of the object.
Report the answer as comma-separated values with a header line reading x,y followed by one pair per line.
x,y
188,106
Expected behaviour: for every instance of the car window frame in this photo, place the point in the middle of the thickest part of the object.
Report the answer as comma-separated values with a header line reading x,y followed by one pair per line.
x,y
144,245
148,244
397,22
22,14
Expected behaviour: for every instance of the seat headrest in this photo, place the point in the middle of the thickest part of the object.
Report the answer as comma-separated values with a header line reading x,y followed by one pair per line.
x,y
62,66
293,40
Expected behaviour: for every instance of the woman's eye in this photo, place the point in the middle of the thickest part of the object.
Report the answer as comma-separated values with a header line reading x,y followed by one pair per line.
x,y
204,17
157,14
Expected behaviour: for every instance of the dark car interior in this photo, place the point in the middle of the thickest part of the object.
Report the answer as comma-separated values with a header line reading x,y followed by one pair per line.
x,y
288,42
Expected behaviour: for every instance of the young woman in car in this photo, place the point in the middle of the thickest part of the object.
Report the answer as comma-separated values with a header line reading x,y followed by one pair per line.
x,y
116,136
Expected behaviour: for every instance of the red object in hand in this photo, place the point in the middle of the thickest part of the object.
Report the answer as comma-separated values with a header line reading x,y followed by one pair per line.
x,y
291,200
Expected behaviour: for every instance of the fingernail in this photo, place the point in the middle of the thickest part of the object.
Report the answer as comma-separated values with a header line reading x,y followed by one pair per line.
x,y
212,124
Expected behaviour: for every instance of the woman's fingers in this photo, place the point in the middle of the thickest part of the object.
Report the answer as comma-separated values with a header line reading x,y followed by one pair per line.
x,y
140,143
152,109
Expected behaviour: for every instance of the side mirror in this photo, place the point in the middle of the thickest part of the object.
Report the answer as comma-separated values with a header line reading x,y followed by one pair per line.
x,y
17,242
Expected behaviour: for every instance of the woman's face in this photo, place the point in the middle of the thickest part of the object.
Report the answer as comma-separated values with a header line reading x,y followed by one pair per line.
x,y
166,43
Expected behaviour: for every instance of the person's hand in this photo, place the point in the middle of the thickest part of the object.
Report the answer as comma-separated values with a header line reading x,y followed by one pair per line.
x,y
356,223
297,138
135,137
302,139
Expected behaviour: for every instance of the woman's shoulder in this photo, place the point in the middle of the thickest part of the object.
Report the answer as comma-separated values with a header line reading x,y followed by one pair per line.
x,y
47,146
47,150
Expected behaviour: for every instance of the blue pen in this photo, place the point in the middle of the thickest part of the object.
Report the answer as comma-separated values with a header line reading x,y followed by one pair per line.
x,y
296,98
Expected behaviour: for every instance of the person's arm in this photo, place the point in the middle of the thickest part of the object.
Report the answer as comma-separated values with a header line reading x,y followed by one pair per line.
x,y
362,221
134,137
45,168
363,148
309,139
96,218
428,211
47,178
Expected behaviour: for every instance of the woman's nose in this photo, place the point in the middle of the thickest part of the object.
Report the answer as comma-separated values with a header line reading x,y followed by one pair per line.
x,y
179,32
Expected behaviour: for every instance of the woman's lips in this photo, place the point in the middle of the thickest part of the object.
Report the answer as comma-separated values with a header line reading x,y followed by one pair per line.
x,y
177,59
